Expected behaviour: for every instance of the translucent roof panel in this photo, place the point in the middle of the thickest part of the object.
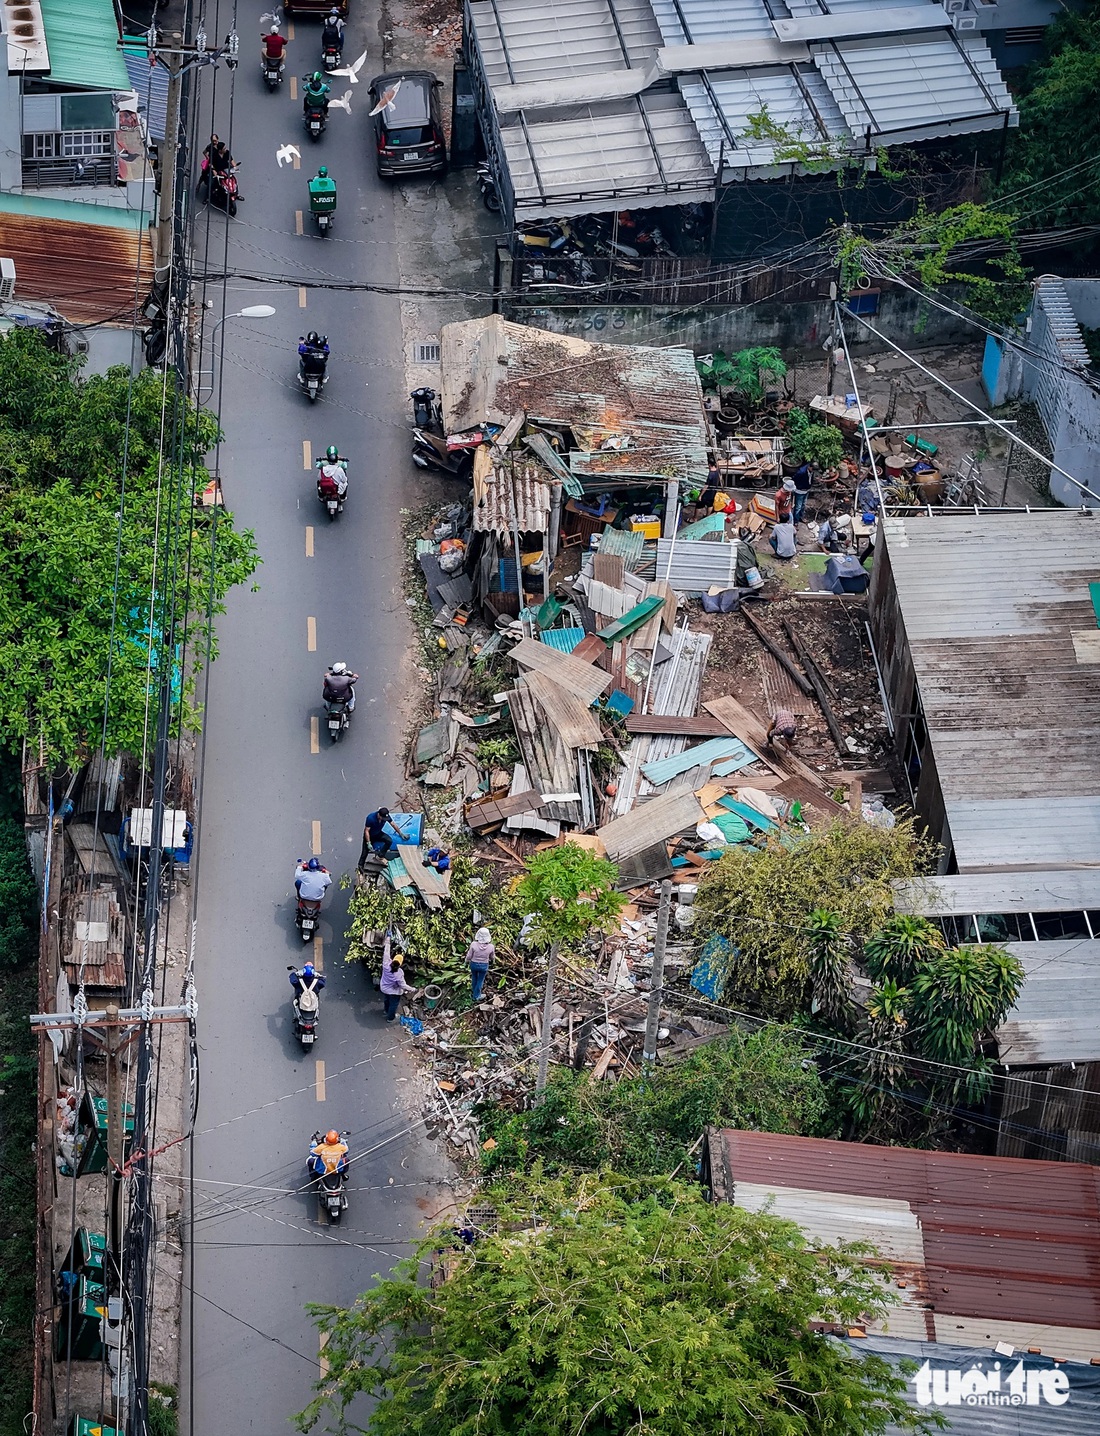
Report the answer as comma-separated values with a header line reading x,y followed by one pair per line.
x,y
743,93
524,40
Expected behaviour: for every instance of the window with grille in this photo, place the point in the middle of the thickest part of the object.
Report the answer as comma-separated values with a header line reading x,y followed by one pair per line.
x,y
82,144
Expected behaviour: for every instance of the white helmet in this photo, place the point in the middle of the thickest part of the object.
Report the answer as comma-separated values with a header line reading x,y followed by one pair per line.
x,y
339,668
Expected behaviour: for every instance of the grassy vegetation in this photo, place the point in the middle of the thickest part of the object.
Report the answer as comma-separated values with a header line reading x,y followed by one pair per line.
x,y
18,951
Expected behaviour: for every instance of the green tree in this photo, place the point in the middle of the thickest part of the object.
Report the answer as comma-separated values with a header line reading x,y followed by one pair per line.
x,y
61,494
960,995
596,1307
766,1081
1059,127
900,946
830,972
760,900
570,893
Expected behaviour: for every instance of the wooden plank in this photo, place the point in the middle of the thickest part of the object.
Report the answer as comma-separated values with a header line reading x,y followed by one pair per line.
x,y
495,810
817,806
650,823
606,1057
580,678
777,653
573,719
818,685
855,797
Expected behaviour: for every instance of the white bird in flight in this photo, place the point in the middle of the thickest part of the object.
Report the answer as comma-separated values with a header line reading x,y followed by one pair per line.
x,y
387,99
287,154
344,103
351,72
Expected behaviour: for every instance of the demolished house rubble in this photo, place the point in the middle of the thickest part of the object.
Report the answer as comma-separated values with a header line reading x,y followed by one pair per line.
x,y
570,704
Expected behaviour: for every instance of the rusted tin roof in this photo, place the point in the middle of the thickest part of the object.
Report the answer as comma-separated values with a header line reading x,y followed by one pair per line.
x,y
652,397
81,258
1009,1245
510,494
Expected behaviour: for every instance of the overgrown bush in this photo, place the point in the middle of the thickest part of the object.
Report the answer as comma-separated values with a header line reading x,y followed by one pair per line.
x,y
760,900
647,1126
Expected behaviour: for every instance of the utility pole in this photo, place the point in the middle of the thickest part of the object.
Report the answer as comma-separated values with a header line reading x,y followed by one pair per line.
x,y
653,1016
547,1018
163,242
115,1126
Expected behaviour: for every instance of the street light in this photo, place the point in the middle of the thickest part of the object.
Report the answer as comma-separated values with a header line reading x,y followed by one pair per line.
x,y
251,311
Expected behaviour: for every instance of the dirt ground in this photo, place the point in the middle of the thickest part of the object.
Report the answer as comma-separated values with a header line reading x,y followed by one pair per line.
x,y
833,631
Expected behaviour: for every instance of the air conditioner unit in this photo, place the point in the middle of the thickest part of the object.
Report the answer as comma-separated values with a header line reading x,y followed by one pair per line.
x,y
956,7
7,280
965,22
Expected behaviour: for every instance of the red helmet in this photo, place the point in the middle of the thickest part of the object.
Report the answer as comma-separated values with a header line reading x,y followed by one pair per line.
x,y
332,1137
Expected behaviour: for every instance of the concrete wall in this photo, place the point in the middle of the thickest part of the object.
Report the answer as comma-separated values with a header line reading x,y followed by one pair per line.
x,y
11,129
802,327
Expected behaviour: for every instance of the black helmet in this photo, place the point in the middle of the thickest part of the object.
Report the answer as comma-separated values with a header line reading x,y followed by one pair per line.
x,y
313,337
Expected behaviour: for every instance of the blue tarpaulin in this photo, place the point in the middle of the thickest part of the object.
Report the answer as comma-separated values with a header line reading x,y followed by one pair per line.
x,y
709,974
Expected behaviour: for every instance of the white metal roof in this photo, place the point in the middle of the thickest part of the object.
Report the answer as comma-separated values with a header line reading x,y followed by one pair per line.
x,y
522,40
978,894
731,59
1054,1019
988,604
590,157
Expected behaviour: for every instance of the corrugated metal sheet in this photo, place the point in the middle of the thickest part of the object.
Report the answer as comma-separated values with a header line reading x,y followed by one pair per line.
x,y
1004,1239
978,894
988,604
1054,1019
1079,1416
582,159
888,1225
696,567
492,367
81,258
82,37
508,495
623,544
151,85
742,93
563,639
711,751
528,40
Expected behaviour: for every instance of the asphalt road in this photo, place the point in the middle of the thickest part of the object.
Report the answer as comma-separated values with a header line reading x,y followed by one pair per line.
x,y
271,792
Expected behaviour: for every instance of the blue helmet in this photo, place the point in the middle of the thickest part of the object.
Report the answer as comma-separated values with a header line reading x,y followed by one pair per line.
x,y
313,865
308,970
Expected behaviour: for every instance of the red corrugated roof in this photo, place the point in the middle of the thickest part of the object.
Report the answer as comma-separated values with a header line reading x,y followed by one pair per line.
x,y
1003,1237
86,271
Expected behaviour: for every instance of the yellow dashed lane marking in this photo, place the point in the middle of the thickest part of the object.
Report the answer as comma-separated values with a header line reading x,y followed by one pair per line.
x,y
316,837
301,296
320,1080
323,1357
314,734
307,455
309,541
311,634
293,84
318,952
298,221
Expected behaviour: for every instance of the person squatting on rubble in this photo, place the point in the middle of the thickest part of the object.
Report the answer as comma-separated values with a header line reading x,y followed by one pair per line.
x,y
479,955
393,984
784,726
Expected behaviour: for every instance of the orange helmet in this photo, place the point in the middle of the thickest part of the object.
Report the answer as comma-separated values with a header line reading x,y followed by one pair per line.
x,y
332,1137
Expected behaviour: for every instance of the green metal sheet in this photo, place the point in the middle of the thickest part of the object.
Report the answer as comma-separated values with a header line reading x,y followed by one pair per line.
x,y
82,39
633,619
746,811
702,528
1094,594
73,211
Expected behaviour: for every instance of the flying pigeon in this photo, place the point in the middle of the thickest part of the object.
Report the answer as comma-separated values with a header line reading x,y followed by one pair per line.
x,y
351,72
276,18
388,97
287,154
344,103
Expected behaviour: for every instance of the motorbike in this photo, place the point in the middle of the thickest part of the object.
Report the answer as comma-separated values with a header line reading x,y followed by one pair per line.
x,y
427,410
307,1012
337,717
329,491
429,451
312,373
330,1188
330,58
314,117
490,195
218,188
272,71
306,916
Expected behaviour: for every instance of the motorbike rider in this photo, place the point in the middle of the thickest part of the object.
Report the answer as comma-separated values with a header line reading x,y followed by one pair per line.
x,y
332,36
313,353
340,685
216,156
306,979
333,470
274,45
311,880
315,94
329,1155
